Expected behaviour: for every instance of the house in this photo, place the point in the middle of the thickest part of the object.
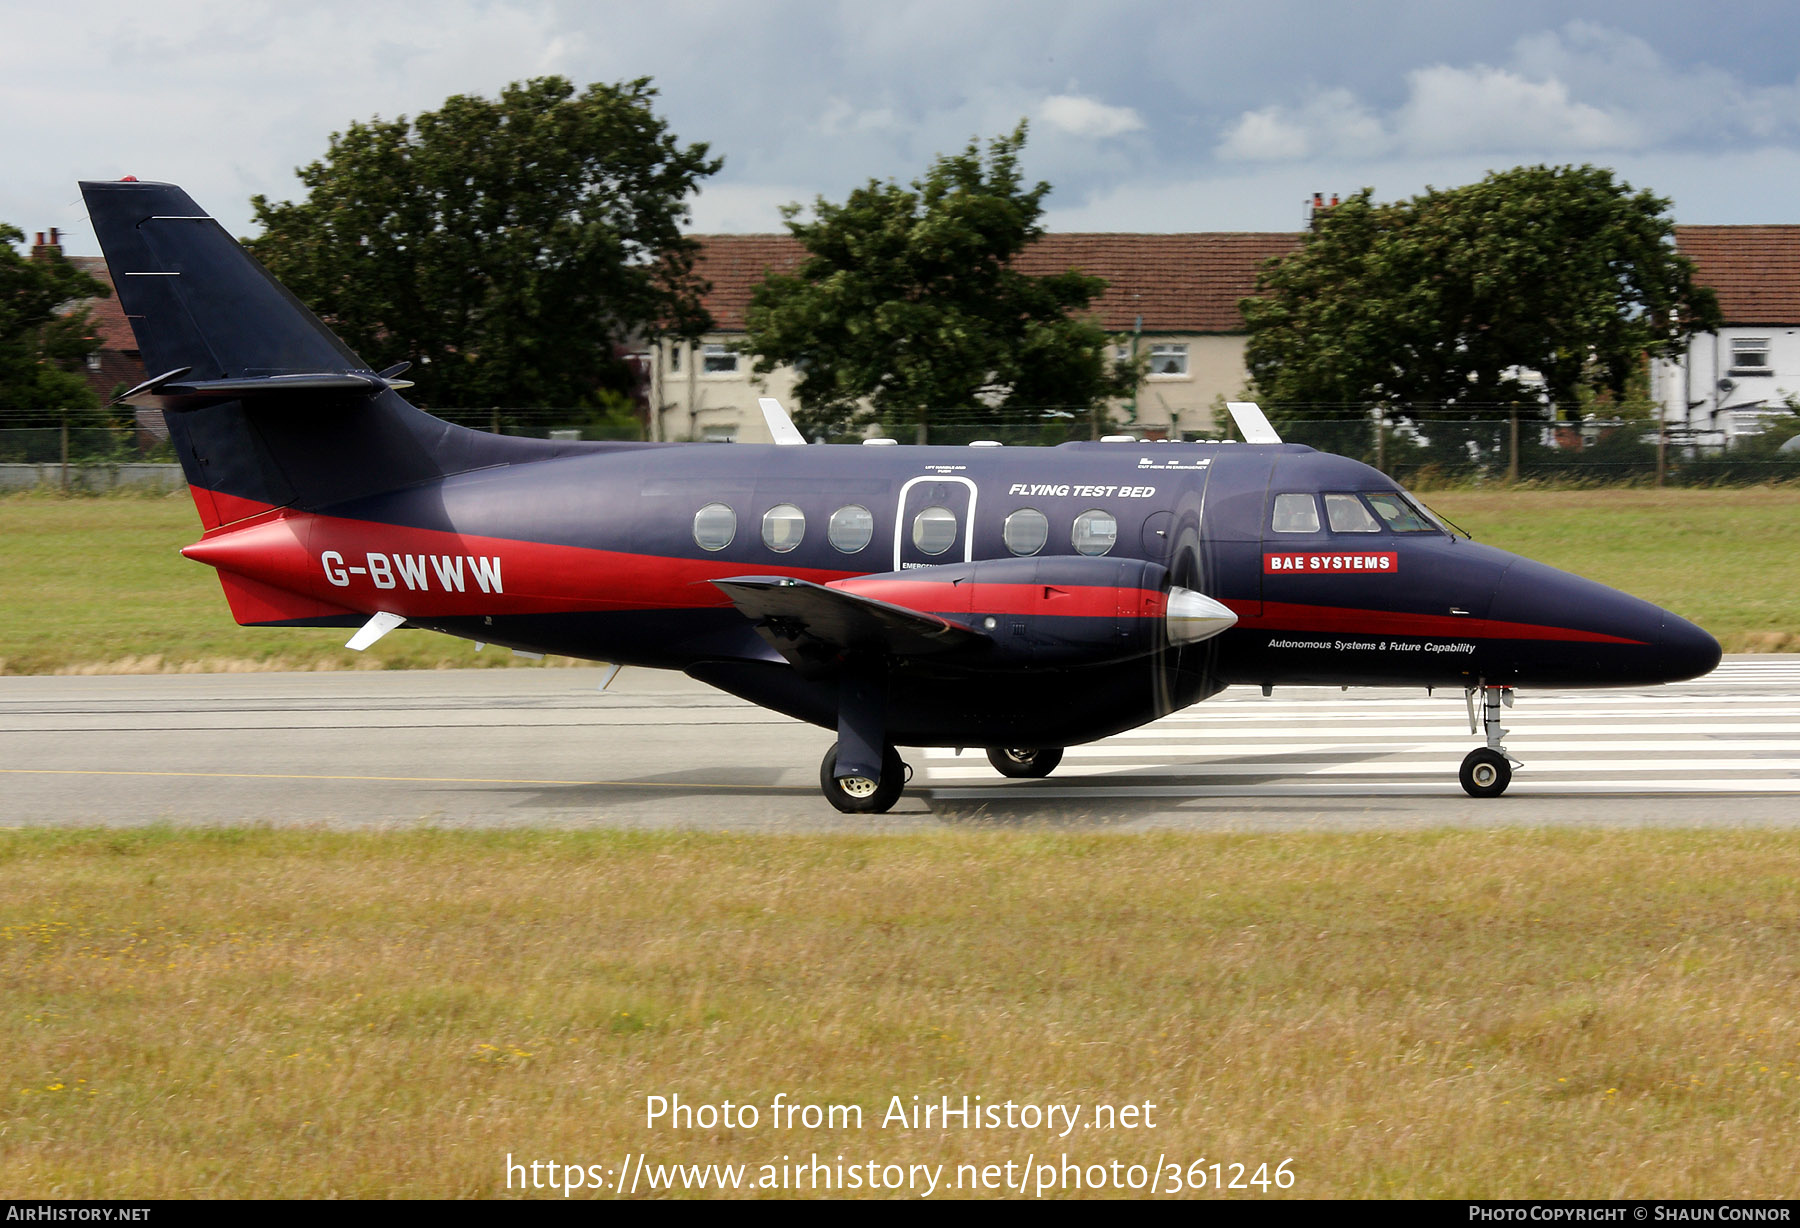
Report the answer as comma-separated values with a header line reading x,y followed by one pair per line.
x,y
117,361
1727,383
1173,298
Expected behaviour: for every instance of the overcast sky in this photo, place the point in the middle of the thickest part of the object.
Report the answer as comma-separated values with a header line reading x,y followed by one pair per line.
x,y
1154,115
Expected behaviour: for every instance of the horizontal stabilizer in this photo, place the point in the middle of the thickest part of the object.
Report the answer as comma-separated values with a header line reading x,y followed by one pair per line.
x,y
175,392
812,625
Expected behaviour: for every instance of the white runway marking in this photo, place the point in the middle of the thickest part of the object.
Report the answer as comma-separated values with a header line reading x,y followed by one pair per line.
x,y
1735,731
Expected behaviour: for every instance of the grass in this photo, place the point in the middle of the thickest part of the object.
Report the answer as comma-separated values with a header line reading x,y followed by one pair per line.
x,y
97,585
1724,558
194,1013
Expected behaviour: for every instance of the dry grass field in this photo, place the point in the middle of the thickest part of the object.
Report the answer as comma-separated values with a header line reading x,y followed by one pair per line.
x,y
308,1014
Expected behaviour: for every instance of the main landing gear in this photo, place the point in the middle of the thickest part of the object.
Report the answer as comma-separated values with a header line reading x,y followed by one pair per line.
x,y
861,794
1487,770
1024,764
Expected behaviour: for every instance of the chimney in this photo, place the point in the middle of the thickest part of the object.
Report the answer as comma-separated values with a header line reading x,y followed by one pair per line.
x,y
44,251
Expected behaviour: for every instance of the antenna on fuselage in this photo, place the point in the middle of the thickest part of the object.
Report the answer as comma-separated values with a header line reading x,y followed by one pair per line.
x,y
781,427
1252,422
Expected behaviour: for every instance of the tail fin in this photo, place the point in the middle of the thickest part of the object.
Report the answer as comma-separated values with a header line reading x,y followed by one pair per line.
x,y
267,408
195,298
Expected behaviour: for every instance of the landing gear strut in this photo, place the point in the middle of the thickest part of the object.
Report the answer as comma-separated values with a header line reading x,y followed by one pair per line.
x,y
859,794
1024,764
1487,770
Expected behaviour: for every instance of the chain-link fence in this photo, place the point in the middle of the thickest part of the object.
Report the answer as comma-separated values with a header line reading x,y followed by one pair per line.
x,y
1421,448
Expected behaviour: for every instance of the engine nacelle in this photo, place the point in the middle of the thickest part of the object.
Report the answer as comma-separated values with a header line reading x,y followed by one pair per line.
x,y
1058,611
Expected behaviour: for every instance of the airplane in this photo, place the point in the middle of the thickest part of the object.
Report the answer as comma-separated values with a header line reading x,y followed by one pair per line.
x,y
1020,600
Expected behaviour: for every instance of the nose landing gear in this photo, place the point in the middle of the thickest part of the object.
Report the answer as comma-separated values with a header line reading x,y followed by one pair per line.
x,y
1487,770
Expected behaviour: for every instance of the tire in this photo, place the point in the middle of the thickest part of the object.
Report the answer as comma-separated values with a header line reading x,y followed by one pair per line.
x,y
858,794
1485,773
1023,764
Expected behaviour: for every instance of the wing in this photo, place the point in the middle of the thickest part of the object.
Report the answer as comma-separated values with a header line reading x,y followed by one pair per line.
x,y
815,627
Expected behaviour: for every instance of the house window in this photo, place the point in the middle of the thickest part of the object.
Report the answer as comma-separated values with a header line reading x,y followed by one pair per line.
x,y
93,361
1749,355
718,360
675,353
1168,360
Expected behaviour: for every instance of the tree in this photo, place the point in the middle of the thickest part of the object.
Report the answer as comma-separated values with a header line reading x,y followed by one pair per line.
x,y
507,248
908,303
1448,300
42,347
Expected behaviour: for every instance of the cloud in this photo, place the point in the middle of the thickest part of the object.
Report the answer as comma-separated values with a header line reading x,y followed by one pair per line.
x,y
1332,124
1079,116
1581,90
1482,110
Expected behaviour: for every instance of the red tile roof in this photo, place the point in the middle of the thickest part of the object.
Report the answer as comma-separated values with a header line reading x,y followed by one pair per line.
x,y
1177,282
1755,270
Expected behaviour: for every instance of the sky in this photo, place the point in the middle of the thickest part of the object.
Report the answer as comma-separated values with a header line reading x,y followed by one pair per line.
x,y
1145,115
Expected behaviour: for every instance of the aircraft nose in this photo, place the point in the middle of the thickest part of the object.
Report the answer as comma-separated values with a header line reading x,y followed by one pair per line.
x,y
1685,650
1582,633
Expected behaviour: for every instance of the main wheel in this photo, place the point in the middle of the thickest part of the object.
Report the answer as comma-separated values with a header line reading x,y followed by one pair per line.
x,y
1021,763
1485,773
859,794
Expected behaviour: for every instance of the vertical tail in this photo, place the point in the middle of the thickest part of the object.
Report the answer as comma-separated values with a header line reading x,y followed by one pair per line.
x,y
267,408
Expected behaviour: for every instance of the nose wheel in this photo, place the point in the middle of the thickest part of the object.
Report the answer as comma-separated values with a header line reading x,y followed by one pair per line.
x,y
1487,770
1485,773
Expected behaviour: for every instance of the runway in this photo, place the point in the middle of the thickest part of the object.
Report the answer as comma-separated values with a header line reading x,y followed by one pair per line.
x,y
545,748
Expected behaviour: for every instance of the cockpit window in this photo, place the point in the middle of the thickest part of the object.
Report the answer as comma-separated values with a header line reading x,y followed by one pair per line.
x,y
1348,515
1295,514
1399,514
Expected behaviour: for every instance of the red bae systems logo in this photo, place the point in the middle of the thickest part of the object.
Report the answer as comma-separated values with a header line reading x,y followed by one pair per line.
x,y
1384,562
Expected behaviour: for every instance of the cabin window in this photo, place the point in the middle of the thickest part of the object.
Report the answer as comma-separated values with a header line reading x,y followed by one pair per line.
x,y
934,530
1398,513
851,528
718,360
1348,515
1295,514
714,526
1095,532
784,525
1026,531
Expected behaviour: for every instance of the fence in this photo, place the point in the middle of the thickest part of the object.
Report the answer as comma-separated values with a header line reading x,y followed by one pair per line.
x,y
1424,448
1421,448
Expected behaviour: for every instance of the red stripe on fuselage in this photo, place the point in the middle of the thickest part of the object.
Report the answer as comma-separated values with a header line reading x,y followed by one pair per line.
x,y
442,571
1337,620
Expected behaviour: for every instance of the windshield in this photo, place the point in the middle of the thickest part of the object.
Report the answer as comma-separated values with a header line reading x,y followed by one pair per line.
x,y
1399,513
